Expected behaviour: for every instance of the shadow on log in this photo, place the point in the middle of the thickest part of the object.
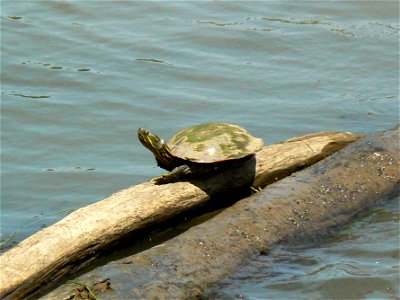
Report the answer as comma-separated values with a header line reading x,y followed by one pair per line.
x,y
84,235
296,209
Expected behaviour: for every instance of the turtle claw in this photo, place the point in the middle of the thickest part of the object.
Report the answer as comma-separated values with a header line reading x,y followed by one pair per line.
x,y
255,189
160,180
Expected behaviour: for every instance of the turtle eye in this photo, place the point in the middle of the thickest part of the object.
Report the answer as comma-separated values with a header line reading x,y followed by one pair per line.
x,y
142,131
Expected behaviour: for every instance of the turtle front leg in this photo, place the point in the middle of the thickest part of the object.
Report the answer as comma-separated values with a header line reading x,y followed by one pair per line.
x,y
174,175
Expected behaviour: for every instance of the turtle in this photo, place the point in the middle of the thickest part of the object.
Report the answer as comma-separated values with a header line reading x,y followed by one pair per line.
x,y
200,149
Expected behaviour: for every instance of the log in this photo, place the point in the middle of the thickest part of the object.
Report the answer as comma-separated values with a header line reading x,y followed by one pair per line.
x,y
304,206
79,238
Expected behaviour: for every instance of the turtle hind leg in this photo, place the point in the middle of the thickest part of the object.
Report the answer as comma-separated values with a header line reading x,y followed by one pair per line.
x,y
175,175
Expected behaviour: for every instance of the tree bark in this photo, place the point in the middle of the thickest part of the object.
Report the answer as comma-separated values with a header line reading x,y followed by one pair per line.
x,y
79,238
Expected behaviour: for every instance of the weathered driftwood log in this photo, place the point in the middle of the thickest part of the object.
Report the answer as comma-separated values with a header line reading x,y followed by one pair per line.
x,y
76,240
302,206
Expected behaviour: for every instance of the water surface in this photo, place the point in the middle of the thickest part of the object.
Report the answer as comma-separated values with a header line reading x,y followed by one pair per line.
x,y
360,262
79,77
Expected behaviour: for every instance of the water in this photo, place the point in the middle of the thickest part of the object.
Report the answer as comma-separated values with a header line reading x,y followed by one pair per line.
x,y
360,262
79,77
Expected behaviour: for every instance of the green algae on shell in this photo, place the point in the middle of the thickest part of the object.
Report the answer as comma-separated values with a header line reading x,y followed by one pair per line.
x,y
214,142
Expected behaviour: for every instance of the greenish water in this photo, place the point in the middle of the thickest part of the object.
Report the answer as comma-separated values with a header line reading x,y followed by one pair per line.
x,y
78,78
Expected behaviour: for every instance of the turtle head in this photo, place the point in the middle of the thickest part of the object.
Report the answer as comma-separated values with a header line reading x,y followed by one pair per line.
x,y
159,147
151,141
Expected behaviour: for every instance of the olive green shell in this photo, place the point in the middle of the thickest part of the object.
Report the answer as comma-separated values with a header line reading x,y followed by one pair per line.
x,y
214,142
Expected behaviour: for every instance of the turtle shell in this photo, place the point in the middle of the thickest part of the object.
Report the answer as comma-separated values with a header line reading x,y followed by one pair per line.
x,y
214,142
